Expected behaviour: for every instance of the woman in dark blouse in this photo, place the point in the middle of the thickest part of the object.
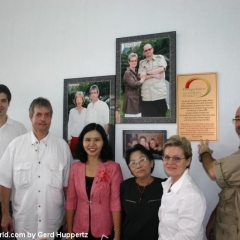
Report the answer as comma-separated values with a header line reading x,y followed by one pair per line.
x,y
140,197
132,84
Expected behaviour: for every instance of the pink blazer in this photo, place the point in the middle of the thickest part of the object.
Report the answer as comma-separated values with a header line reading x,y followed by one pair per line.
x,y
104,197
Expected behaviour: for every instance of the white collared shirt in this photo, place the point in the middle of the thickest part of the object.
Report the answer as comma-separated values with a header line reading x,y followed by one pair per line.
x,y
182,210
76,123
98,112
10,130
36,171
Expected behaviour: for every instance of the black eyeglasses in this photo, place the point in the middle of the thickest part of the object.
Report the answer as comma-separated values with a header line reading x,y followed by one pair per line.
x,y
175,159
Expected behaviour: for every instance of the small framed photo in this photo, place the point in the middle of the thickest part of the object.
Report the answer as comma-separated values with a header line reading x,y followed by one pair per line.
x,y
146,78
152,140
87,100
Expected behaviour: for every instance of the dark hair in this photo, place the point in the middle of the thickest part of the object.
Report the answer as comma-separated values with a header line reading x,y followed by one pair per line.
x,y
5,89
142,149
40,102
143,137
106,152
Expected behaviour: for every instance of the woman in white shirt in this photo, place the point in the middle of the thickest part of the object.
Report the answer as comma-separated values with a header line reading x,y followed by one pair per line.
x,y
183,204
77,120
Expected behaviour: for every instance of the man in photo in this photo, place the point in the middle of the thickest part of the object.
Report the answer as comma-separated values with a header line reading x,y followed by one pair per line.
x,y
97,110
153,90
143,141
9,129
34,171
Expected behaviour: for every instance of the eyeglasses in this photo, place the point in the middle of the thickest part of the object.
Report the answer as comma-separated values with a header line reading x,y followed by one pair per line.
x,y
175,159
146,50
140,162
236,120
133,61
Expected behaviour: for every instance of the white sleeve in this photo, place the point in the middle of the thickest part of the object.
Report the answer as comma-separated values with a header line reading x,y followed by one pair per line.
x,y
6,167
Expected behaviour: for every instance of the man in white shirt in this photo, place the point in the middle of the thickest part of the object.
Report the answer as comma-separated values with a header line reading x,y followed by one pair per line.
x,y
9,128
97,110
34,171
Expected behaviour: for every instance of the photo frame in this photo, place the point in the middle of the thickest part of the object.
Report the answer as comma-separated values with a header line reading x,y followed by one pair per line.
x,y
106,86
164,44
146,138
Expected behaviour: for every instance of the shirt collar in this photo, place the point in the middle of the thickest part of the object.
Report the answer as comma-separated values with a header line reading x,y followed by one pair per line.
x,y
34,140
177,185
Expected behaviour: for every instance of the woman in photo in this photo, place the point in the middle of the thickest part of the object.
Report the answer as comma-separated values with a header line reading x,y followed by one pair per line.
x,y
93,199
183,204
77,120
132,84
140,197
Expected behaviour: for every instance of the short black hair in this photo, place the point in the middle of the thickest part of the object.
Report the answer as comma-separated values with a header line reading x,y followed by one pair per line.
x,y
106,152
5,89
142,149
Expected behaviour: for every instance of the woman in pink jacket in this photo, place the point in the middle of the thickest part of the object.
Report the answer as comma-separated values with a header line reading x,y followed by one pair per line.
x,y
93,205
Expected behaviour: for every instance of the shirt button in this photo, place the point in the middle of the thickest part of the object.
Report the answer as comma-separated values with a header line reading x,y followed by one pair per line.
x,y
39,162
39,220
39,206
38,176
39,191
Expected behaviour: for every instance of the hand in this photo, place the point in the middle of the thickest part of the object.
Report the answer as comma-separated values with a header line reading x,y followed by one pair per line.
x,y
209,231
64,224
143,74
7,224
142,79
203,147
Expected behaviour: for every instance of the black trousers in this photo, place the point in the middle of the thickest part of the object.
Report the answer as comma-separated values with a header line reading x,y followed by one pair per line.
x,y
156,108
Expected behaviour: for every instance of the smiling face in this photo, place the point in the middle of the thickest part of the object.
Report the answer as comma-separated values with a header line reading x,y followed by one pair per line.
x,y
4,104
41,121
133,62
143,169
175,169
79,101
93,143
148,51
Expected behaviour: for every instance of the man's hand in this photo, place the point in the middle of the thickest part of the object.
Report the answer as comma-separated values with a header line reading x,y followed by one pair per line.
x,y
7,224
203,147
209,231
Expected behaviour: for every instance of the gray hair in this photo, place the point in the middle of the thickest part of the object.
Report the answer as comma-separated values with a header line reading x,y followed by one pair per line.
x,y
40,102
132,55
181,142
94,87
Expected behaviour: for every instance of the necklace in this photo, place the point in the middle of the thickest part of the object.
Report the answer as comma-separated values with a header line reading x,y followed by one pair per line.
x,y
142,191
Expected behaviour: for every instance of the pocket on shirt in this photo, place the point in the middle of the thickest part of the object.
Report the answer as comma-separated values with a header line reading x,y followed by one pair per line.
x,y
22,174
55,176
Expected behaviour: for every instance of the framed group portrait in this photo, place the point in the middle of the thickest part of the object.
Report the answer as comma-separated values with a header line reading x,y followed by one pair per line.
x,y
146,78
152,140
87,100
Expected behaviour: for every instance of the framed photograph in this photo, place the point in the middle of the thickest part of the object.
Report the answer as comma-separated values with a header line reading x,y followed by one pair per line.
x,y
197,108
150,139
87,100
146,78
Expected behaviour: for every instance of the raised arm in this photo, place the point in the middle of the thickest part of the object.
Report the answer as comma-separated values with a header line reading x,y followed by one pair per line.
x,y
205,156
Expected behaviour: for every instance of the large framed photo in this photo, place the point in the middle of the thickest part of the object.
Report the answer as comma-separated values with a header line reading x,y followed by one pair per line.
x,y
152,140
87,100
146,78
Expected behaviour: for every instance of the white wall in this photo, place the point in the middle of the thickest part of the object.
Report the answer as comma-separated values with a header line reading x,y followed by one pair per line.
x,y
44,42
